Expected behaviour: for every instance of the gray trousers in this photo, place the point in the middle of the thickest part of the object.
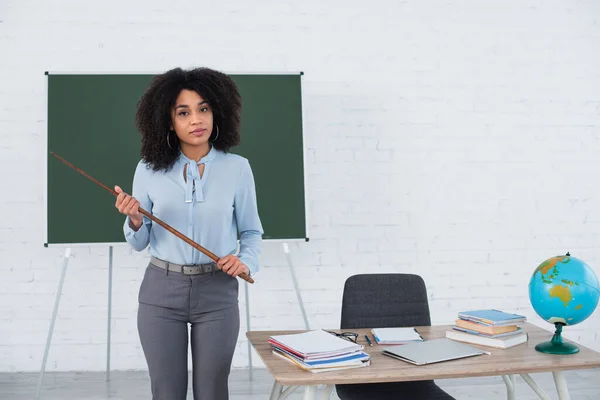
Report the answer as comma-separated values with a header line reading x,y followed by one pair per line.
x,y
168,302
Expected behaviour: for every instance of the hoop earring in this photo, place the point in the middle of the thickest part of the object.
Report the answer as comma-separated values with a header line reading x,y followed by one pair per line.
x,y
168,142
217,134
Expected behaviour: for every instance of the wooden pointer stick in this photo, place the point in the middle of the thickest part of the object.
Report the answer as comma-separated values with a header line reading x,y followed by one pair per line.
x,y
175,232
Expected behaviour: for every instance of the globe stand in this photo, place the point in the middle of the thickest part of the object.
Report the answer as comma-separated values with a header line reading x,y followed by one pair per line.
x,y
556,345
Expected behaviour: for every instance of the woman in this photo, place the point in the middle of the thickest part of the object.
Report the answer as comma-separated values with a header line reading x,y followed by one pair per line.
x,y
187,178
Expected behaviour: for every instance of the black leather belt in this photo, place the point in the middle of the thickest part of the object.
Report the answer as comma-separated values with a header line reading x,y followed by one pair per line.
x,y
195,269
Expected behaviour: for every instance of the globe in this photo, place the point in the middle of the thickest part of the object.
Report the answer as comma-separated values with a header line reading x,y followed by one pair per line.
x,y
563,290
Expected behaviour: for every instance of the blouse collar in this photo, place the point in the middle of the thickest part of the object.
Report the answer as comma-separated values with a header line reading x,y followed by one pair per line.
x,y
193,179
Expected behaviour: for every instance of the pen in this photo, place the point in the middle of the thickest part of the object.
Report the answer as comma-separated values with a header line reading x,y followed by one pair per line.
x,y
368,341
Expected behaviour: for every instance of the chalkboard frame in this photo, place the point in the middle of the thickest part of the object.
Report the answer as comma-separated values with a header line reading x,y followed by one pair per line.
x,y
47,156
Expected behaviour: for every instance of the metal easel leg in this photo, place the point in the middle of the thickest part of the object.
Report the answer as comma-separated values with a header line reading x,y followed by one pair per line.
x,y
286,250
53,320
110,269
248,328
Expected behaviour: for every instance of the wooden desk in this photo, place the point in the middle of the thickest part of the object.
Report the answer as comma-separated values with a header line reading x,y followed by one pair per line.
x,y
522,359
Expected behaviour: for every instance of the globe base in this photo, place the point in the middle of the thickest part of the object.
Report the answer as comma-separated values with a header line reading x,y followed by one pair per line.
x,y
551,348
556,345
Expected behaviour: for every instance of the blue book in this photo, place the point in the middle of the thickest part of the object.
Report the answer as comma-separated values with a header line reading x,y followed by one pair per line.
x,y
491,317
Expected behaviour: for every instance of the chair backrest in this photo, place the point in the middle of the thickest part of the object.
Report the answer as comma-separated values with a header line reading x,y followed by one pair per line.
x,y
384,300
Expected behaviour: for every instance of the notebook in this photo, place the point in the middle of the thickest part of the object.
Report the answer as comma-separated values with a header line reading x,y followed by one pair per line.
x,y
432,351
396,335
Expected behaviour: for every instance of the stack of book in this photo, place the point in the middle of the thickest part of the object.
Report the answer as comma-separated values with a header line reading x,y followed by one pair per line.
x,y
319,351
491,328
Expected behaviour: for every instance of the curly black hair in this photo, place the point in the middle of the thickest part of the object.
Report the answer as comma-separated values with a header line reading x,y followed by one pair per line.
x,y
153,115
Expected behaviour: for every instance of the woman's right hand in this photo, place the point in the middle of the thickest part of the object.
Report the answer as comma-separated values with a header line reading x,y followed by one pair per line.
x,y
129,206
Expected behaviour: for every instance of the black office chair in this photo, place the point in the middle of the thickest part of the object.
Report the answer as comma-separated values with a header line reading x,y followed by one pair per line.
x,y
381,301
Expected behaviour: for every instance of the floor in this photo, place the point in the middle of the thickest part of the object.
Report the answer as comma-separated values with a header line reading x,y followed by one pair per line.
x,y
130,385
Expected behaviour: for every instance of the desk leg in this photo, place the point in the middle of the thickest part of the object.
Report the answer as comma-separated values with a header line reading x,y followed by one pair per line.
x,y
276,391
310,393
509,381
513,379
561,385
327,392
538,390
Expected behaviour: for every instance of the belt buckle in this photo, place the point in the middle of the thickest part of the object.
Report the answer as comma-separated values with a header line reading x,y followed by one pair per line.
x,y
190,270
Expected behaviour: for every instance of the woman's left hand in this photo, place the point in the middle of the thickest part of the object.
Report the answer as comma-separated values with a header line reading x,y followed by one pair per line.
x,y
232,265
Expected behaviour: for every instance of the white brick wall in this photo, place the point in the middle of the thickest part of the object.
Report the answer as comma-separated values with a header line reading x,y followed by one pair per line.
x,y
455,139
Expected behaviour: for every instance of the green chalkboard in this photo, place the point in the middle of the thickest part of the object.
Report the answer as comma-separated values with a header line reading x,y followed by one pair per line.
x,y
91,124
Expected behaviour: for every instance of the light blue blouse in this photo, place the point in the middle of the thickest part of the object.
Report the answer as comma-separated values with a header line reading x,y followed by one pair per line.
x,y
210,210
